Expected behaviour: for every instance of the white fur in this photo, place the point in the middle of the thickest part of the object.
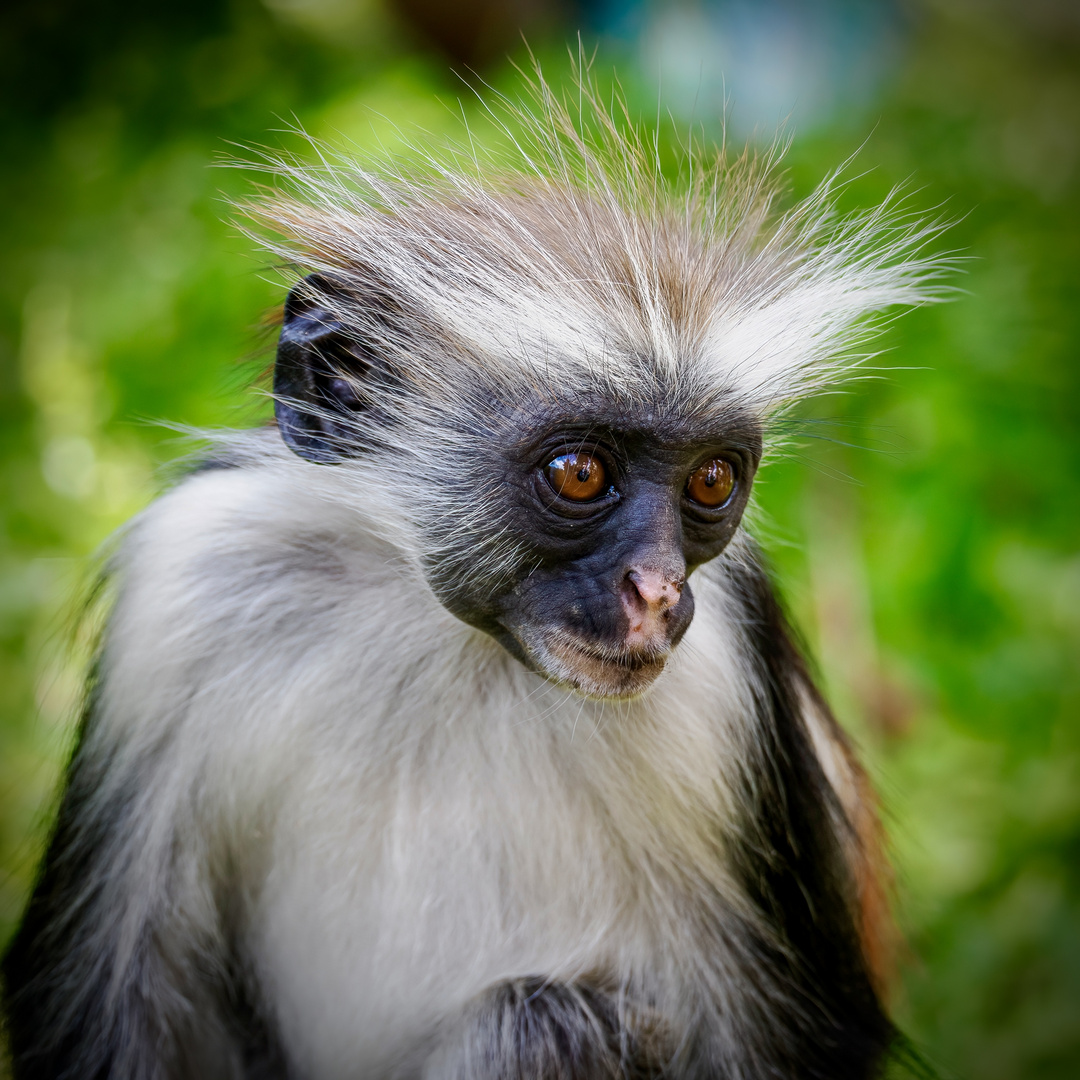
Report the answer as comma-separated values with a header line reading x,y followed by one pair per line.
x,y
420,815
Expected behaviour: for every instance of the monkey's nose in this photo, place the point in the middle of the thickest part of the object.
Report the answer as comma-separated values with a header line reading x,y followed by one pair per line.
x,y
648,597
657,589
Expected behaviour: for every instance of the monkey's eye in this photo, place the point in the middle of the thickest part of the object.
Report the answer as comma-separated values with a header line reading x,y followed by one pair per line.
x,y
580,477
711,484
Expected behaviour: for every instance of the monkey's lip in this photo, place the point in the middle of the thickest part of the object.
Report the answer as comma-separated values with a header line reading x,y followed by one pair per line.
x,y
601,671
631,659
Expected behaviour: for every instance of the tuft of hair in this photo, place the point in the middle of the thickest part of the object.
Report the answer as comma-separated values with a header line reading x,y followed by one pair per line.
x,y
571,258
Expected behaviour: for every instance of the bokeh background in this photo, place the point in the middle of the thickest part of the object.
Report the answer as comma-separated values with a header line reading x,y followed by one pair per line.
x,y
924,524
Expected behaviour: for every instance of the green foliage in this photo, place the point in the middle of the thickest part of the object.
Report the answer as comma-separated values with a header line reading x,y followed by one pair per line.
x,y
925,526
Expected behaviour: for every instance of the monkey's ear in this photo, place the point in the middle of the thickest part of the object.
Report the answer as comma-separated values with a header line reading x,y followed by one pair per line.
x,y
316,374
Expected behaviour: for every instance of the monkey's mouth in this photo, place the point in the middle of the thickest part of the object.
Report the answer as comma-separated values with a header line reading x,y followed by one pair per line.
x,y
598,670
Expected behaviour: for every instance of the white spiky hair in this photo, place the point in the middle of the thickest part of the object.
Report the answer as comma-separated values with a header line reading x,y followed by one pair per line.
x,y
572,260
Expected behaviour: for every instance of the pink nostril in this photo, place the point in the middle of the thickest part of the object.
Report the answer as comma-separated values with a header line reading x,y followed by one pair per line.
x,y
656,589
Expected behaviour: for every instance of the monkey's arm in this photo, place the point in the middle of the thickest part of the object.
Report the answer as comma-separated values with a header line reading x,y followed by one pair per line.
x,y
120,967
133,958
863,839
127,963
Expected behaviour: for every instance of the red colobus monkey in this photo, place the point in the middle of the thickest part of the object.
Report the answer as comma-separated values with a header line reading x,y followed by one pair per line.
x,y
450,728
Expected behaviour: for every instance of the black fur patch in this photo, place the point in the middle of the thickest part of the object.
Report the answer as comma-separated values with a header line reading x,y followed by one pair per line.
x,y
819,1017
536,1029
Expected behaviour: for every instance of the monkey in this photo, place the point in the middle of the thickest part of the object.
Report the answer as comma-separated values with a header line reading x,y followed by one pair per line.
x,y
450,727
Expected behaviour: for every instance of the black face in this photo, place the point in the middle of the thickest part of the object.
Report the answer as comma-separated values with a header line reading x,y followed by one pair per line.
x,y
610,511
615,520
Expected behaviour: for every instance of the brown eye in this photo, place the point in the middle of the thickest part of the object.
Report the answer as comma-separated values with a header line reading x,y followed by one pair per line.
x,y
577,476
712,483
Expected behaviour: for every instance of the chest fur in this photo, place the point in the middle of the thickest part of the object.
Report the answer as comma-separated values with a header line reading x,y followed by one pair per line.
x,y
547,838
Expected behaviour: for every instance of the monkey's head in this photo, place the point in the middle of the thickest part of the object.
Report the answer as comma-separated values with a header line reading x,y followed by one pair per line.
x,y
561,386
562,509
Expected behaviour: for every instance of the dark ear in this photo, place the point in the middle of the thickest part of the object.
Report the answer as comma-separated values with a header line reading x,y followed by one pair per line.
x,y
318,364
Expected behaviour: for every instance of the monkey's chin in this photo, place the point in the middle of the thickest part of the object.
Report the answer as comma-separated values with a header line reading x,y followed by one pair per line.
x,y
595,671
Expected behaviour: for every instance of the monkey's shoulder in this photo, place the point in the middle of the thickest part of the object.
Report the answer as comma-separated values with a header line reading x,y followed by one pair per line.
x,y
243,574
263,527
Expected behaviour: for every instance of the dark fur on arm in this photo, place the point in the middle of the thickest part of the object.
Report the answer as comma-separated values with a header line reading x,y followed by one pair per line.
x,y
827,1022
76,1011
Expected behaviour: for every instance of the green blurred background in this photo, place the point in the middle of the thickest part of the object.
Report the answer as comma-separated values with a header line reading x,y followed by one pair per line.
x,y
924,524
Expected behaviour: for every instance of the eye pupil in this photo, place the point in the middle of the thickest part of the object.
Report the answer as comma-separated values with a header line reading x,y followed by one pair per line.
x,y
711,484
580,477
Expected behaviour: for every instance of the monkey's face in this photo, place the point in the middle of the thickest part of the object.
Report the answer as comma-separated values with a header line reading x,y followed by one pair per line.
x,y
612,521
567,533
